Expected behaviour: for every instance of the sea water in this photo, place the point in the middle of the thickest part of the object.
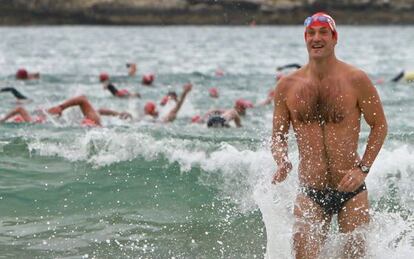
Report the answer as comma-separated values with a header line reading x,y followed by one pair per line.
x,y
139,189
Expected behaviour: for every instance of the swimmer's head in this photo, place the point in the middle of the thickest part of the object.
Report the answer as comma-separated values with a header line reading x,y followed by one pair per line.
x,y
323,20
213,92
151,109
241,105
22,74
172,95
148,79
103,77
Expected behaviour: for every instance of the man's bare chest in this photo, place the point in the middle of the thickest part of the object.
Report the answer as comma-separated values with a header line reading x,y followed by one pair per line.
x,y
322,103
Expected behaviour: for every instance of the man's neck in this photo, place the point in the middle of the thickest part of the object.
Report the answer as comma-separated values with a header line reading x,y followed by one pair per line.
x,y
321,68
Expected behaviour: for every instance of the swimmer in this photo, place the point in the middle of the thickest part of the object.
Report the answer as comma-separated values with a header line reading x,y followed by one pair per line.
x,y
150,108
171,95
122,93
132,69
91,116
148,79
221,118
22,74
213,92
324,102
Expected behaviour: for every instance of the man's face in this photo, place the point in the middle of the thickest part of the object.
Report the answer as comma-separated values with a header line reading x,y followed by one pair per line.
x,y
320,41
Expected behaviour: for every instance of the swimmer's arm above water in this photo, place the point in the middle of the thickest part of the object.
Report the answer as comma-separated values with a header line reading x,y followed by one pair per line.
x,y
108,112
17,111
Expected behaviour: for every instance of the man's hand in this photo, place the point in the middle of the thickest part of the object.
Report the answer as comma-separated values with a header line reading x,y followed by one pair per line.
x,y
352,180
282,172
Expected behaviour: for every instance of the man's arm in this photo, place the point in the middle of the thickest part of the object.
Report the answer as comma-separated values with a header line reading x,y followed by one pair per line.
x,y
372,110
18,111
281,123
86,107
173,113
108,112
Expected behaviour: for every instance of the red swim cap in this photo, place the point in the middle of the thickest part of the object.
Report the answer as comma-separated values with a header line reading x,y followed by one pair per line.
x,y
22,74
149,108
322,19
213,92
244,103
148,79
103,77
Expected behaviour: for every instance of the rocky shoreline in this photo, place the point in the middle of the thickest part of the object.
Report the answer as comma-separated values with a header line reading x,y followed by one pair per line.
x,y
200,12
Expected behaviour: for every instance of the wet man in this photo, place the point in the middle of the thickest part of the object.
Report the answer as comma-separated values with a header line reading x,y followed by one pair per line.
x,y
324,101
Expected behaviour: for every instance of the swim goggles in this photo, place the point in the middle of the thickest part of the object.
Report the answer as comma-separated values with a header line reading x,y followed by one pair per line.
x,y
322,19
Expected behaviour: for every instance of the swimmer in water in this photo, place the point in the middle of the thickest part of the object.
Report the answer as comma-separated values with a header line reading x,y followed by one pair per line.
x,y
22,74
91,116
122,93
221,118
132,69
150,108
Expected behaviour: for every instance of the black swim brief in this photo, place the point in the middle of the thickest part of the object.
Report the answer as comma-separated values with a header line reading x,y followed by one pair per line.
x,y
329,199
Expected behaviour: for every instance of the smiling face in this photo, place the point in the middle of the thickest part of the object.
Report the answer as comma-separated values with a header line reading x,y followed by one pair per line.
x,y
320,41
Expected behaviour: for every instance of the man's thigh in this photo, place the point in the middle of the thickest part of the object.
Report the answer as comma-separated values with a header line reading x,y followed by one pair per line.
x,y
355,213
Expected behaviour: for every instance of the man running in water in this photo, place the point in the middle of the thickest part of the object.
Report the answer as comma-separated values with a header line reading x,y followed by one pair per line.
x,y
324,101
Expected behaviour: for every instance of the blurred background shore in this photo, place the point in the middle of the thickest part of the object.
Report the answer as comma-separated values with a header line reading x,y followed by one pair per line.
x,y
201,12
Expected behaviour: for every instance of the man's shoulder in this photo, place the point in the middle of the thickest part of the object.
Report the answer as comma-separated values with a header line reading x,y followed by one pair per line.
x,y
353,73
289,81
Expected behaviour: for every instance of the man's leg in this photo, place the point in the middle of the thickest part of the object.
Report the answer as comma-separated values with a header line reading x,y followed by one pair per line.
x,y
86,107
353,215
310,229
18,111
